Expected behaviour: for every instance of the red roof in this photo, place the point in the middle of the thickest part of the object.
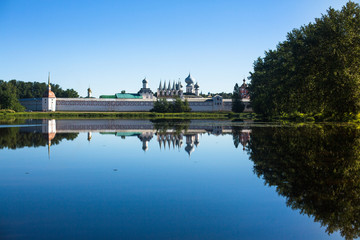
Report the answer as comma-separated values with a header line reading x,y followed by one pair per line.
x,y
49,94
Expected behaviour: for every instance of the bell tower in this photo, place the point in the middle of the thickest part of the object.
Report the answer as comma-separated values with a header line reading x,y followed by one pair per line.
x,y
49,99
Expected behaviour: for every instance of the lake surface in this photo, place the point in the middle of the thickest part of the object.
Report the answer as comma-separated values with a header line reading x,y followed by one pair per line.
x,y
140,179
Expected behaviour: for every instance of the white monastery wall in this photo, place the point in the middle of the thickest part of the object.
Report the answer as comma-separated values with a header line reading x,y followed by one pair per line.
x,y
103,105
127,105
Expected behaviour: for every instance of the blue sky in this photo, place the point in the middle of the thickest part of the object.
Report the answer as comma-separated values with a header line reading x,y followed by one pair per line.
x,y
112,45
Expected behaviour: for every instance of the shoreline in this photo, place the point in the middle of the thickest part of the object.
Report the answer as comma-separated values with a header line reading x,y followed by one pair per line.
x,y
128,115
302,118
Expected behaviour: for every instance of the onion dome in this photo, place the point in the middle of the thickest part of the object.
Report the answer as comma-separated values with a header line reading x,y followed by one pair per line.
x,y
144,81
244,83
189,149
189,80
196,86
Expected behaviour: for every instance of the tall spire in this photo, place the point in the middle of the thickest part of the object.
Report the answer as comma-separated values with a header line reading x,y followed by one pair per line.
x,y
49,81
160,85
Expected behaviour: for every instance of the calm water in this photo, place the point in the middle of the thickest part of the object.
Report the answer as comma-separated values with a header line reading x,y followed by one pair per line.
x,y
137,179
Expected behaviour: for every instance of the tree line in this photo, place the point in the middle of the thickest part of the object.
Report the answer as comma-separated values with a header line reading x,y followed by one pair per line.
x,y
163,106
12,91
315,71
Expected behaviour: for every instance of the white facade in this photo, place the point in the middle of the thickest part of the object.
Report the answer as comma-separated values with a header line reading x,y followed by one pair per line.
x,y
48,104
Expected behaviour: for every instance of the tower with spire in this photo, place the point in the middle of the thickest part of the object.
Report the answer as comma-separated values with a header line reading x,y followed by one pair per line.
x,y
48,99
145,91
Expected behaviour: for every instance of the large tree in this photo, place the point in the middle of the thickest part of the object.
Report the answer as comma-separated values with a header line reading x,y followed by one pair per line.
x,y
8,97
316,70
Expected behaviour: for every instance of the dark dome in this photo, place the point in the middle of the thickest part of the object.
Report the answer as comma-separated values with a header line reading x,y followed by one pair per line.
x,y
189,80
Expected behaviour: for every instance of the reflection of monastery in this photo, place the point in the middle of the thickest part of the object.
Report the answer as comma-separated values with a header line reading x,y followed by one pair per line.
x,y
143,100
144,130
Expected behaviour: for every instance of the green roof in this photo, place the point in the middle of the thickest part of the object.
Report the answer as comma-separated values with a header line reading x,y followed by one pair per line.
x,y
123,96
107,96
128,95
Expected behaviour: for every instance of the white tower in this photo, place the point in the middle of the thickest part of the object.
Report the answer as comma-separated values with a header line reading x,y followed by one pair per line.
x,y
49,99
89,93
197,89
189,84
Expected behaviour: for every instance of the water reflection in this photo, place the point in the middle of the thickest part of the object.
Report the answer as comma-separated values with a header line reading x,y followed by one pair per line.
x,y
317,170
170,134
40,134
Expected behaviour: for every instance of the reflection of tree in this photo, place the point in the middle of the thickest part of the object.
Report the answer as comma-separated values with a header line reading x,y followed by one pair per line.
x,y
12,138
240,135
317,169
236,132
162,126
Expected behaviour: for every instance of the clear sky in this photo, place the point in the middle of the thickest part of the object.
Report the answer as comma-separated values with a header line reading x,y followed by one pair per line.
x,y
112,45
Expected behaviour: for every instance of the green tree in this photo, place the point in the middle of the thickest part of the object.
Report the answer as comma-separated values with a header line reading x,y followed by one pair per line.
x,y
36,90
315,71
163,106
8,97
237,104
160,106
186,106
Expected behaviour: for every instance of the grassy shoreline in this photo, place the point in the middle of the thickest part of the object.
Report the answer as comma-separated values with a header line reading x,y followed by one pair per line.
x,y
293,118
127,115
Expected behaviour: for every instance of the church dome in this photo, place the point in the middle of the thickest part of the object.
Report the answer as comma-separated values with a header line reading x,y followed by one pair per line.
x,y
196,85
144,81
189,80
